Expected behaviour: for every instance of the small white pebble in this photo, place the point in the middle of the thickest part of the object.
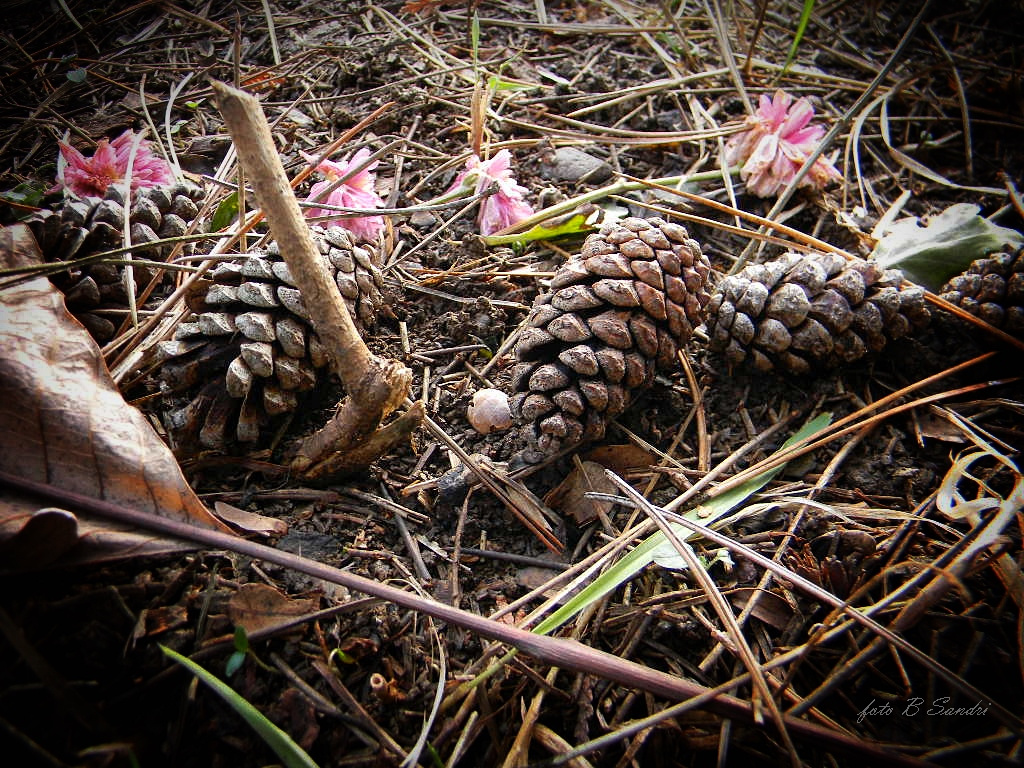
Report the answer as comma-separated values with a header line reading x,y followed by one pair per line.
x,y
489,411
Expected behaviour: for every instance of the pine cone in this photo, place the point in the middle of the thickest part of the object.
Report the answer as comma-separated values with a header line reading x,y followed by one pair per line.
x,y
992,289
616,312
83,226
803,312
252,342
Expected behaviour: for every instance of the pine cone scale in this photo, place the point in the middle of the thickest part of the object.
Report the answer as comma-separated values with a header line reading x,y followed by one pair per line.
x,y
801,312
616,312
83,226
992,289
251,322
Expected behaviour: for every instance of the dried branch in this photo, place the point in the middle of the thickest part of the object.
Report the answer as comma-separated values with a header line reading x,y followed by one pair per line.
x,y
375,386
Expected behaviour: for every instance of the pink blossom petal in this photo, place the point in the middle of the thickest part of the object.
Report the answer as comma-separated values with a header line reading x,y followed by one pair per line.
x,y
498,166
799,116
807,138
777,140
506,206
500,211
355,192
740,146
773,110
90,176
108,165
364,178
792,152
762,172
822,172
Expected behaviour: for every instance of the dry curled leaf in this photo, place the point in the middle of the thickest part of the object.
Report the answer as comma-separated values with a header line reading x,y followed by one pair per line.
x,y
260,606
570,496
250,522
621,458
770,608
62,420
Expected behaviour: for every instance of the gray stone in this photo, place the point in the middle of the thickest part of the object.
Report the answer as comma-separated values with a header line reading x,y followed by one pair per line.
x,y
571,164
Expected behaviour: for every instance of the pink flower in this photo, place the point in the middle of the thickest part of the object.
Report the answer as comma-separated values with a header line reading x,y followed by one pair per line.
x,y
506,206
775,144
355,192
108,165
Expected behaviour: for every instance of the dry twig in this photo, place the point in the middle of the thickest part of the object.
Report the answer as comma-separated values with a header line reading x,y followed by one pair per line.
x,y
375,386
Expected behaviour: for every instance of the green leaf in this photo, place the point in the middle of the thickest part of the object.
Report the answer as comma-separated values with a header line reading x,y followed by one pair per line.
x,y
496,83
946,246
26,193
241,650
653,548
583,219
226,212
290,753
241,640
666,555
234,663
474,38
341,656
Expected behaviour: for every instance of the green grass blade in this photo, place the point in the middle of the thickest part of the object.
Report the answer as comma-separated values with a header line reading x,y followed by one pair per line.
x,y
474,39
801,28
291,754
668,557
653,548
724,502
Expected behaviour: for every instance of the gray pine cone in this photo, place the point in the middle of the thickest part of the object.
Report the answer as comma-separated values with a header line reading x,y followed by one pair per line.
x,y
80,227
992,288
616,312
251,341
811,311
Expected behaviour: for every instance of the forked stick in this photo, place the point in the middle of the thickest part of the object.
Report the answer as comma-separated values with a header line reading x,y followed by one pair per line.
x,y
375,386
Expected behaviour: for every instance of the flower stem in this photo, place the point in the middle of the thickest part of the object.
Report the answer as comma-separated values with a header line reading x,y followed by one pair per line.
x,y
615,188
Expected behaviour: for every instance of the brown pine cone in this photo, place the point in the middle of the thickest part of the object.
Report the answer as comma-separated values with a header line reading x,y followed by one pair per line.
x,y
83,226
251,341
616,312
805,311
992,288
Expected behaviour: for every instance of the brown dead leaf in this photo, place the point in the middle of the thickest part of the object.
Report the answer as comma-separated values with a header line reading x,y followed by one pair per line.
x,y
250,522
770,608
36,538
260,606
62,421
32,538
621,459
163,619
429,7
569,496
936,427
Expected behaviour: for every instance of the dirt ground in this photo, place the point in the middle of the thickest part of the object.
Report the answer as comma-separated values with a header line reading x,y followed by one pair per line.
x,y
640,88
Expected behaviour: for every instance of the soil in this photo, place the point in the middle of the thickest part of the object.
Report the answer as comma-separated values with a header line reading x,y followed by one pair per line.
x,y
84,681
